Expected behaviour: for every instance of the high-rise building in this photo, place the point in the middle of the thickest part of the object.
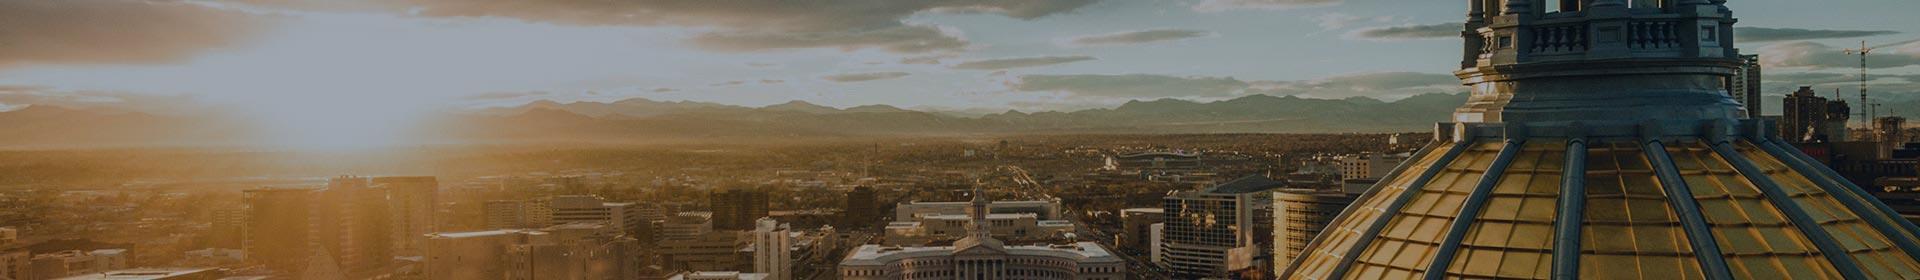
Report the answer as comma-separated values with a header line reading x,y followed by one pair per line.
x,y
714,251
349,219
1807,117
505,214
862,208
1600,143
685,226
622,216
1204,227
353,222
1299,215
228,229
413,201
1889,133
1746,86
772,249
737,209
278,227
1136,228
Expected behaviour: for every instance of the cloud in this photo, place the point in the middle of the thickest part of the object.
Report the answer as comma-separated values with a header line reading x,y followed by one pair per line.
x,y
664,90
1818,56
1009,63
1762,34
505,95
862,77
1137,37
741,25
1130,86
1212,6
729,83
19,96
1408,32
925,59
116,32
903,39
1387,85
771,81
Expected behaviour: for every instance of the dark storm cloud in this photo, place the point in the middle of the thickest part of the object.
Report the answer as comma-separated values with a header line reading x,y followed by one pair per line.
x,y
1137,37
1009,63
1763,34
743,25
862,77
115,31
1408,32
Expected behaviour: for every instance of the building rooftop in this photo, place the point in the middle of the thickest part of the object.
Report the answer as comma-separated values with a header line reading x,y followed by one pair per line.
x,y
1249,184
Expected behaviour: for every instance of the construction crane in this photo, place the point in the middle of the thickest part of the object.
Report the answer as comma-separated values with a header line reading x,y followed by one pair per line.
x,y
1863,51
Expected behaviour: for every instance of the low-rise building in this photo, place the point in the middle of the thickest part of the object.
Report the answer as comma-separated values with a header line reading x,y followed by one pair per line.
x,y
981,256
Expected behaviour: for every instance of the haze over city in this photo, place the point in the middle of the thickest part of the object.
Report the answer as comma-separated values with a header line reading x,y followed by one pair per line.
x,y
291,70
958,139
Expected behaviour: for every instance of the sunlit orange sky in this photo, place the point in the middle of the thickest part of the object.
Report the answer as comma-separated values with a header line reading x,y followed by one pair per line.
x,y
325,67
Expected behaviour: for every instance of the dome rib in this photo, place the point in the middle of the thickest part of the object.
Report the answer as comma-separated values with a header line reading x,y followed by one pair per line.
x,y
1345,260
1781,200
1566,232
1680,197
1880,218
1470,212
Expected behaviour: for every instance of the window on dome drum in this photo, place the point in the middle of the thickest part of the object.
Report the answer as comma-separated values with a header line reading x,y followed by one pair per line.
x,y
1403,248
1512,238
1333,248
1873,251
1757,240
1630,232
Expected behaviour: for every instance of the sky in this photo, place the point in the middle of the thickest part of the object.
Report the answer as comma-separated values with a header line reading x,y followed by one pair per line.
x,y
355,63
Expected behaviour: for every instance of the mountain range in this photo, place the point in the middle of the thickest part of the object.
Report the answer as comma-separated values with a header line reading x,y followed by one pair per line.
x,y
641,119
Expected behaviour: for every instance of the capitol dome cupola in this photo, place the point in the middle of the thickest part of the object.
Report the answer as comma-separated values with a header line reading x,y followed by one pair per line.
x,y
1600,143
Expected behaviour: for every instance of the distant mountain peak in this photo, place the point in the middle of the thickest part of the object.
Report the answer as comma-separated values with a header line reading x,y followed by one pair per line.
x,y
801,106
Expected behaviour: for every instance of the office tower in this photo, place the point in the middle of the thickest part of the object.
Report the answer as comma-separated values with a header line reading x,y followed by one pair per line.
x,y
1203,227
412,201
980,256
1746,86
1608,150
278,227
1041,209
1888,133
1136,228
589,209
772,247
349,219
685,226
1299,215
737,209
352,220
862,208
1807,117
714,251
228,229
505,214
